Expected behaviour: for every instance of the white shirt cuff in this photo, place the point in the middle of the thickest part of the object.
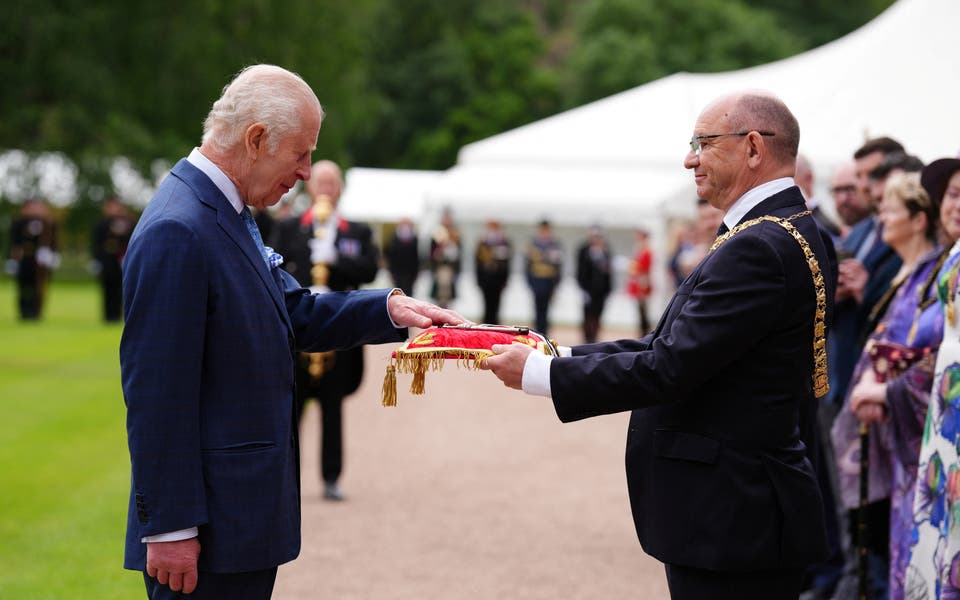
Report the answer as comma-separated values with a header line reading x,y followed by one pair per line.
x,y
536,372
173,536
393,292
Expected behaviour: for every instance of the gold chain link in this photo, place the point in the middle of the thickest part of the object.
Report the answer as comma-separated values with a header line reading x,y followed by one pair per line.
x,y
821,384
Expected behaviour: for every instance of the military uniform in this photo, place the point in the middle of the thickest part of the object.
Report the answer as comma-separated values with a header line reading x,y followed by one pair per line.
x,y
330,376
111,235
33,257
493,255
544,267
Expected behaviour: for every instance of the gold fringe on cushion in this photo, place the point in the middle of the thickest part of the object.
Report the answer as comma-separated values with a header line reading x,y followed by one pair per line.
x,y
418,362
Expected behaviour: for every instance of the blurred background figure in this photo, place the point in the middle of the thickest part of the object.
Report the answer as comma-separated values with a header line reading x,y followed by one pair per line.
x,y
402,256
806,182
704,233
111,234
324,251
544,267
685,239
594,278
639,286
493,256
850,207
33,256
445,249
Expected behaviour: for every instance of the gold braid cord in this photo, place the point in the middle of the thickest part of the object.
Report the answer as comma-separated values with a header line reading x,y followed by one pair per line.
x,y
821,384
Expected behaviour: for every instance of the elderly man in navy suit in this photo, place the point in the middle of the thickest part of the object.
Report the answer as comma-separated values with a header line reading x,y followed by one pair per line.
x,y
723,392
207,353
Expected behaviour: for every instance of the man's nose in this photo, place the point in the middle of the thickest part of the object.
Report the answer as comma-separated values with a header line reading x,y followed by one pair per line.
x,y
691,160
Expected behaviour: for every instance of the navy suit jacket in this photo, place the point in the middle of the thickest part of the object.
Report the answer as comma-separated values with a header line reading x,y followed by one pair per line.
x,y
207,359
722,399
852,323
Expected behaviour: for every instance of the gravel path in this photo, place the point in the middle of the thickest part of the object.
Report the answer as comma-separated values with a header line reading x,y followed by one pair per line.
x,y
471,491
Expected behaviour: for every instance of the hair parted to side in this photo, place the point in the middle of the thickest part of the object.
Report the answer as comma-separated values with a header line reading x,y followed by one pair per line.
x,y
265,94
765,112
884,145
905,187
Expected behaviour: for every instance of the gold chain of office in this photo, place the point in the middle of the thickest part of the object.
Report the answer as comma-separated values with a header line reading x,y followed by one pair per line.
x,y
821,383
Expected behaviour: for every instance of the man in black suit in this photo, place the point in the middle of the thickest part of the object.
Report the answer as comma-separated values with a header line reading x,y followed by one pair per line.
x,y
723,392
402,254
110,237
325,252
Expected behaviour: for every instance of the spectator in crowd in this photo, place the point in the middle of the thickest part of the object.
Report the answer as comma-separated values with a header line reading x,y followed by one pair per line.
x,y
595,278
34,256
445,256
805,181
492,263
867,266
111,234
866,269
852,208
402,256
544,269
892,400
639,285
705,229
324,251
935,550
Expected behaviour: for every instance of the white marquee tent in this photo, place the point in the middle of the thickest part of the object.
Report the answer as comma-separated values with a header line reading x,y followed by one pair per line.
x,y
618,161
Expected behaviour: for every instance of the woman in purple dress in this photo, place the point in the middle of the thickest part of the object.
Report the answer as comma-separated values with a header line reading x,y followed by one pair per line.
x,y
891,384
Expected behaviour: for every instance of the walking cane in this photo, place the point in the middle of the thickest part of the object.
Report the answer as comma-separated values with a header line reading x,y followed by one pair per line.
x,y
862,562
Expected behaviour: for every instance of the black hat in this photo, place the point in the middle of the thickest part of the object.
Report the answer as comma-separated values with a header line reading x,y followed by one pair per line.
x,y
935,176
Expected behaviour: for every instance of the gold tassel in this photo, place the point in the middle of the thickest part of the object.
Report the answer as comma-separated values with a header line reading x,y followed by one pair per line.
x,y
419,376
389,393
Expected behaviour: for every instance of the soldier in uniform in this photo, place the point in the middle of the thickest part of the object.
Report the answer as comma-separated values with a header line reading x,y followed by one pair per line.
x,y
33,256
110,237
403,256
493,255
445,260
544,265
594,276
326,252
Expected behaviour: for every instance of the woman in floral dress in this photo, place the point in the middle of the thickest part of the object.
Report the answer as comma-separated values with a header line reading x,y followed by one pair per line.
x,y
934,562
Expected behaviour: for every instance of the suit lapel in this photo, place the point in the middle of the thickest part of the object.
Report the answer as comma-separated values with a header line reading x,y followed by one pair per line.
x,y
232,225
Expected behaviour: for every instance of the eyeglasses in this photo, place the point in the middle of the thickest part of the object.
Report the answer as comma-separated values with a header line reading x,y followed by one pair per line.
x,y
696,146
843,189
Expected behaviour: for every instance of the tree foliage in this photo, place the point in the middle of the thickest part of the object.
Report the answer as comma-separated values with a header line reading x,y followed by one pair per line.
x,y
404,84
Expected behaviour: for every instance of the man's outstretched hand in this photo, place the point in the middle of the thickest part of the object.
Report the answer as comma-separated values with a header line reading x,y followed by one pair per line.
x,y
410,312
508,362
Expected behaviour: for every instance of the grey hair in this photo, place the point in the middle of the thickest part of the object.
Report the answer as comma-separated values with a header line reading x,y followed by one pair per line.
x,y
265,94
760,112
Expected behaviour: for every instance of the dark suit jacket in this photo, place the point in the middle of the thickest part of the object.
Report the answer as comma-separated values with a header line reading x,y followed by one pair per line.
x,y
722,397
852,324
207,358
357,263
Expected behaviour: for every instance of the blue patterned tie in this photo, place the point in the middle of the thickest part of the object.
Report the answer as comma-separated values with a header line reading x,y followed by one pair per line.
x,y
255,234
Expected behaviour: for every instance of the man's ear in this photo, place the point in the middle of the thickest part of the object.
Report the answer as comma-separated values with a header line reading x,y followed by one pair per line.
x,y
254,139
755,149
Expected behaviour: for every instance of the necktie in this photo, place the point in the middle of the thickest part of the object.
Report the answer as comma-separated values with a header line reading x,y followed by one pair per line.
x,y
722,229
255,234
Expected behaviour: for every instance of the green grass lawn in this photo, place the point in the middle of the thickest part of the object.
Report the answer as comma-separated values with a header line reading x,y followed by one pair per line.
x,y
64,467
